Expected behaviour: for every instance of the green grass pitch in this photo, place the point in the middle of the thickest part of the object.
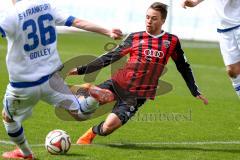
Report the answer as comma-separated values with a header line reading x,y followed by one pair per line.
x,y
182,129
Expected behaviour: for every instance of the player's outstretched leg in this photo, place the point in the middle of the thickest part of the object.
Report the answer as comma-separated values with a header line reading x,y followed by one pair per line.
x,y
103,129
16,135
87,137
121,114
90,97
102,95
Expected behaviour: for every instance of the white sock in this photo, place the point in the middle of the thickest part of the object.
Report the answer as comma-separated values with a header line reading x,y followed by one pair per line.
x,y
88,104
236,84
16,135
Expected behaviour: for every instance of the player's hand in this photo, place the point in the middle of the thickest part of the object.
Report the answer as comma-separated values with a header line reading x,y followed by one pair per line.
x,y
116,34
190,3
72,72
201,97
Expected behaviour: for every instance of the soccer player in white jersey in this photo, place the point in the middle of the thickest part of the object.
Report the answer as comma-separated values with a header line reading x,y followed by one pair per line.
x,y
229,35
32,62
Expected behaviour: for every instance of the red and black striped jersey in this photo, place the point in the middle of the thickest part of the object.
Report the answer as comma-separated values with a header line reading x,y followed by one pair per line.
x,y
148,56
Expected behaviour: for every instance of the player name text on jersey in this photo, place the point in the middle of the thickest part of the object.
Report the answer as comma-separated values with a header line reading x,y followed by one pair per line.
x,y
33,10
40,53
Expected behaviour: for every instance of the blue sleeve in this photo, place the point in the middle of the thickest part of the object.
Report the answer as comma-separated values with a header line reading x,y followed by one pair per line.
x,y
69,21
2,32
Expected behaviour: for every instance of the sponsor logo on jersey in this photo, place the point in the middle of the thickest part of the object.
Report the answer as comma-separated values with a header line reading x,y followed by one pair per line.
x,y
166,43
153,53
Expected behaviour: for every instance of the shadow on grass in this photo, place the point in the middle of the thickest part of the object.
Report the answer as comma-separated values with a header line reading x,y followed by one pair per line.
x,y
169,148
65,156
71,155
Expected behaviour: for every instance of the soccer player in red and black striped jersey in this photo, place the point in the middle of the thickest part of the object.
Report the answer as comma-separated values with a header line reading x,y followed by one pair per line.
x,y
137,81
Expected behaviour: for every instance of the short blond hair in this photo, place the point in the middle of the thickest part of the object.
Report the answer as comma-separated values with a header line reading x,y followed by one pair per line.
x,y
162,8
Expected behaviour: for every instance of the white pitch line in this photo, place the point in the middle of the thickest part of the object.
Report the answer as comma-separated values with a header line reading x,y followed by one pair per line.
x,y
147,143
6,142
209,67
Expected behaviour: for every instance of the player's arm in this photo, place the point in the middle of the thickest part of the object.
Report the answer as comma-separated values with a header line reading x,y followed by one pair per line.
x,y
88,26
3,33
64,19
184,68
190,3
106,59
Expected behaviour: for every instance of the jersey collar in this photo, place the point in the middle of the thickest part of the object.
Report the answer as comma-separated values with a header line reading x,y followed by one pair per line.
x,y
156,36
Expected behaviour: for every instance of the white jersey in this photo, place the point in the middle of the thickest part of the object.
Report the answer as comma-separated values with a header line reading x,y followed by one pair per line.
x,y
30,28
228,12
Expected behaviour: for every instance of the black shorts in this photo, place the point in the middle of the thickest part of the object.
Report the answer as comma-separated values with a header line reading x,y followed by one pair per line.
x,y
127,105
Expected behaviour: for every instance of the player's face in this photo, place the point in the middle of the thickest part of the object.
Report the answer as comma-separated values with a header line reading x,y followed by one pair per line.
x,y
154,22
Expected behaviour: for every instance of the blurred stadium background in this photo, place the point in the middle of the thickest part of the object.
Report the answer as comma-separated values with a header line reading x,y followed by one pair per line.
x,y
193,24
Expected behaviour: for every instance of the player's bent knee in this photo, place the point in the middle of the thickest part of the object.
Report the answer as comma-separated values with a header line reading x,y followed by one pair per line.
x,y
232,73
233,70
